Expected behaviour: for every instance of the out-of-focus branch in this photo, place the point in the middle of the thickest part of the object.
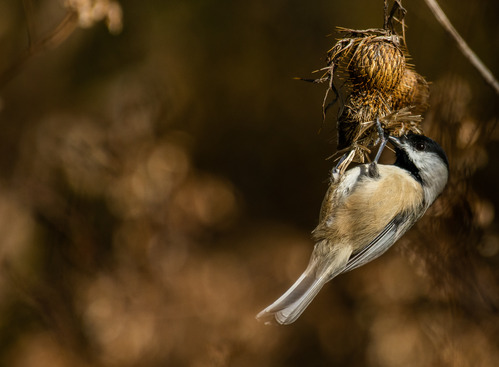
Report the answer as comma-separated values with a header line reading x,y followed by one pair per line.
x,y
463,46
52,40
28,11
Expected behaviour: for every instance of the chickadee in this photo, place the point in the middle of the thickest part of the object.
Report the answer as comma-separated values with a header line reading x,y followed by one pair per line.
x,y
364,212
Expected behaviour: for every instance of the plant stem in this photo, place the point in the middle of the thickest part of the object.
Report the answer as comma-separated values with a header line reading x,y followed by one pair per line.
x,y
463,46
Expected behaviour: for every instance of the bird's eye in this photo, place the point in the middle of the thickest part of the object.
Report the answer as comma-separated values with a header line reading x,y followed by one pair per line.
x,y
420,146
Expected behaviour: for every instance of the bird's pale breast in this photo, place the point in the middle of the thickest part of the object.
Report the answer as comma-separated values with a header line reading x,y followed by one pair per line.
x,y
373,203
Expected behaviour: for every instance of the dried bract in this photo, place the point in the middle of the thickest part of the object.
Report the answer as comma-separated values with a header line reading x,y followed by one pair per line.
x,y
362,105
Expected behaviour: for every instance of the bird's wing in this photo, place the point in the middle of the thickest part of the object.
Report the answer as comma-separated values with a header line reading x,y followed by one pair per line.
x,y
383,241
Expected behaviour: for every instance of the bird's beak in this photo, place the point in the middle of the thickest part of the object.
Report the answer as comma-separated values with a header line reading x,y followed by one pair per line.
x,y
395,141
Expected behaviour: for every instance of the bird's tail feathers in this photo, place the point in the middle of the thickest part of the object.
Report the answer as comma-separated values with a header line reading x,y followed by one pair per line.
x,y
291,304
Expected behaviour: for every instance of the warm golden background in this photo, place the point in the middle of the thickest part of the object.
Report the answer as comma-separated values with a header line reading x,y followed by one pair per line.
x,y
160,177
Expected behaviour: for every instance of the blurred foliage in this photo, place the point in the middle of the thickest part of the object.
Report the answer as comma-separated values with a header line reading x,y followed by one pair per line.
x,y
161,171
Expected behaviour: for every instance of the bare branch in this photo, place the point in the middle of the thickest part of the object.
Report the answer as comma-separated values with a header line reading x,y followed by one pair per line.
x,y
463,46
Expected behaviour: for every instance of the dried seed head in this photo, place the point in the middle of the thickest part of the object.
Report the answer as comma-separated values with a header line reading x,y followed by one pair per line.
x,y
363,105
378,64
413,92
371,64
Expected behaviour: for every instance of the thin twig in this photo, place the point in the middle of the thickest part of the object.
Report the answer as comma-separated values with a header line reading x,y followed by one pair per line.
x,y
52,40
30,24
463,46
385,14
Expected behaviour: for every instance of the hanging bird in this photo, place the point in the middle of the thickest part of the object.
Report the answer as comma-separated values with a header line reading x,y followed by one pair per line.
x,y
364,212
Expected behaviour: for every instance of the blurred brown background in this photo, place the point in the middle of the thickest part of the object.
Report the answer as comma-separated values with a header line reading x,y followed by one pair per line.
x,y
161,174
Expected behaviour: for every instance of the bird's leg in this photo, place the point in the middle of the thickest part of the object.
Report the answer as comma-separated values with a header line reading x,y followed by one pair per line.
x,y
383,139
